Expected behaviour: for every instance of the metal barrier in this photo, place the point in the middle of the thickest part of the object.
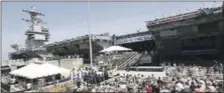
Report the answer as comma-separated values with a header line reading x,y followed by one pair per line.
x,y
60,87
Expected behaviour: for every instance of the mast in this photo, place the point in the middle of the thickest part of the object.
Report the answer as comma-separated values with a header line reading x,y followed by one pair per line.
x,y
36,34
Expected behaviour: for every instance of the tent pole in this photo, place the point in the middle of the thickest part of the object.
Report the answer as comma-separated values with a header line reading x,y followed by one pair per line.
x,y
32,84
116,65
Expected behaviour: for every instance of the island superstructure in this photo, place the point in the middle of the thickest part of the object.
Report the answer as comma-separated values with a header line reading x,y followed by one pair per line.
x,y
36,34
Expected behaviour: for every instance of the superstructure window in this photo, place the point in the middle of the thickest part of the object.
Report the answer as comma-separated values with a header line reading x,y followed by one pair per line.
x,y
213,38
194,40
201,38
182,42
161,45
212,45
208,27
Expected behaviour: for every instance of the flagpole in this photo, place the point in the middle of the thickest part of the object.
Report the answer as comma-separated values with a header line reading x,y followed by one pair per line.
x,y
90,36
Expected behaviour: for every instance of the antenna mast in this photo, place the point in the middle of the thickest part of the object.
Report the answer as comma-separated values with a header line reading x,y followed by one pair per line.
x,y
36,34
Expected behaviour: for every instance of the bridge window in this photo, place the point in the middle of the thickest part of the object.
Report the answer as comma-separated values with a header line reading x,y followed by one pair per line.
x,y
213,45
182,42
194,40
161,45
202,38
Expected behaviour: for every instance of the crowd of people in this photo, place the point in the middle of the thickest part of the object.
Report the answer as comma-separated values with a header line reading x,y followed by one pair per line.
x,y
178,79
88,77
5,78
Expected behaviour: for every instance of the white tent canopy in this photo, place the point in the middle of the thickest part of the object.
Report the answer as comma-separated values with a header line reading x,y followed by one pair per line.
x,y
27,71
54,69
32,70
115,48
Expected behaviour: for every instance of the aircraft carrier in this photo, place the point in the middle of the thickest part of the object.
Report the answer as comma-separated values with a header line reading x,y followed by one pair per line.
x,y
191,38
195,36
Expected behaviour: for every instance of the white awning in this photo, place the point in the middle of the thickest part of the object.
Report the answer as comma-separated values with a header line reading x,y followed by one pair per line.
x,y
115,48
33,70
27,71
50,69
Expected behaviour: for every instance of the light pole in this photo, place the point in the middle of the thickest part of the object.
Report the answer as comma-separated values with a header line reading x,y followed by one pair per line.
x,y
90,36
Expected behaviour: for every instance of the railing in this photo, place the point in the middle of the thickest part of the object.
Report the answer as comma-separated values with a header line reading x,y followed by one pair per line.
x,y
112,59
175,18
13,62
129,61
119,60
134,60
63,86
122,61
126,60
62,57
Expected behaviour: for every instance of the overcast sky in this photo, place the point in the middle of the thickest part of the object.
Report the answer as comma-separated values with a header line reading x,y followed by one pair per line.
x,y
69,19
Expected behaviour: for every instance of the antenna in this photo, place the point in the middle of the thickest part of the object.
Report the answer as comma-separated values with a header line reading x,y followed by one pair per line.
x,y
179,12
27,20
187,10
39,33
139,30
214,3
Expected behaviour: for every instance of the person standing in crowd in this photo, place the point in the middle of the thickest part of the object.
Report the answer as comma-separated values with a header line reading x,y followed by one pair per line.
x,y
173,90
153,88
160,82
187,88
149,89
210,87
106,75
220,88
193,86
198,89
78,79
157,89
179,86
29,86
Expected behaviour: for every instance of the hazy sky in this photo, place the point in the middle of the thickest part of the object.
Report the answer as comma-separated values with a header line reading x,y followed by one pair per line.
x,y
69,19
